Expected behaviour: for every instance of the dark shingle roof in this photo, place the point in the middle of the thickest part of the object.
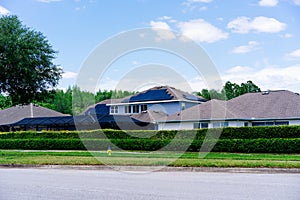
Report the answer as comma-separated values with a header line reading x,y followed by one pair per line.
x,y
161,93
17,113
279,104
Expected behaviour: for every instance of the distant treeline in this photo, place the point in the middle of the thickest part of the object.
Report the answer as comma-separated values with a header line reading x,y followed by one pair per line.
x,y
62,101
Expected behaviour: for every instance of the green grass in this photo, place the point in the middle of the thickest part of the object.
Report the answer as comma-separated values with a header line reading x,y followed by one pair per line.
x,y
188,159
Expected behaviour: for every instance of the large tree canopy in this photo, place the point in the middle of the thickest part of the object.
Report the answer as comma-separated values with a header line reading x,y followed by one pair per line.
x,y
26,68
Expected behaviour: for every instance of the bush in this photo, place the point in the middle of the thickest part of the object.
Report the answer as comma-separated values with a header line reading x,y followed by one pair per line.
x,y
275,145
200,134
279,139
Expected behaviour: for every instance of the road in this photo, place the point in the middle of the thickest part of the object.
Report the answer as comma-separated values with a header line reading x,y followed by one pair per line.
x,y
23,184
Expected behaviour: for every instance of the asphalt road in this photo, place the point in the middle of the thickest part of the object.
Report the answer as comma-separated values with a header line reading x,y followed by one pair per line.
x,y
93,184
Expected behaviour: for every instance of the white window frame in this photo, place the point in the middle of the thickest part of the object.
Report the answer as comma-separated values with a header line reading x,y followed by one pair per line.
x,y
144,107
127,109
114,109
135,108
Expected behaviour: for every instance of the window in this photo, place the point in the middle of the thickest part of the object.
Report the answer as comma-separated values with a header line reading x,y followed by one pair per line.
x,y
135,109
201,125
281,123
144,107
258,123
270,123
204,125
127,109
114,109
220,124
246,124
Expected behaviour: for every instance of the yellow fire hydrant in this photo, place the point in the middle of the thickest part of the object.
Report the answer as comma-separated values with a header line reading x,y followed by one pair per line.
x,y
109,151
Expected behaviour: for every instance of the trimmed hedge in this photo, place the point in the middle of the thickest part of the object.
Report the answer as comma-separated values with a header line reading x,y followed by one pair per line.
x,y
277,139
226,133
275,145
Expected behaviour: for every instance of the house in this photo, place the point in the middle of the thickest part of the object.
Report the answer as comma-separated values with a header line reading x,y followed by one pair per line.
x,y
163,98
164,108
16,113
280,107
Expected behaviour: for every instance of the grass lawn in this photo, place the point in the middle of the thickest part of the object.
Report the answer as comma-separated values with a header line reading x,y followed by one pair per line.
x,y
188,159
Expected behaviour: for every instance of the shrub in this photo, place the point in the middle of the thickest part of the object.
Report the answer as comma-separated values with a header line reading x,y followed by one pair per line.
x,y
279,139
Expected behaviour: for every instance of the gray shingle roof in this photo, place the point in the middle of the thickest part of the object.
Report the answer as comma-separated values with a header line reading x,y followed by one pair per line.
x,y
17,113
270,104
214,109
150,116
280,104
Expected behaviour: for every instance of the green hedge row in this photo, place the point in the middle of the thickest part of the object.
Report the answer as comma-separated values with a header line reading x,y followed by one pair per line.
x,y
275,145
226,133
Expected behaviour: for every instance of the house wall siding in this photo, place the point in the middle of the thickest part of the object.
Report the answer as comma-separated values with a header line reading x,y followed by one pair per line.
x,y
168,108
236,124
176,126
294,122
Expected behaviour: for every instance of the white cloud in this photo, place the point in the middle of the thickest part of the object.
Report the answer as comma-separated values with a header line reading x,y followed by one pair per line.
x,y
268,3
258,24
297,2
252,45
201,31
287,35
48,1
295,54
69,75
192,4
164,18
163,30
3,11
239,69
266,78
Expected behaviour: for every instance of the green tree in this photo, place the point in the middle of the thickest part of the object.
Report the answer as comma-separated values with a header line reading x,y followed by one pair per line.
x,y
27,71
5,101
249,86
81,100
229,91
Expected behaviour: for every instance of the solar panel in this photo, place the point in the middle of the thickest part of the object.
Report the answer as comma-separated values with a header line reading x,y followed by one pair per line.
x,y
151,95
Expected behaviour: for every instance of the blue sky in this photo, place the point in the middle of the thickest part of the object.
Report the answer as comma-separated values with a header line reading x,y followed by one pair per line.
x,y
256,40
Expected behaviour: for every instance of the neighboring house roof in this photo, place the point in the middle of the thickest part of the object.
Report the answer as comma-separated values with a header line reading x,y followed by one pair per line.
x,y
213,109
269,104
17,113
280,104
150,116
161,93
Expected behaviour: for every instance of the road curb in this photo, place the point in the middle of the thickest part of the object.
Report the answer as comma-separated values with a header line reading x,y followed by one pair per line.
x,y
160,168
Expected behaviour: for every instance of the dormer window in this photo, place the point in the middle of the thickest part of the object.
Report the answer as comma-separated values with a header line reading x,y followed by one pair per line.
x,y
144,107
135,109
114,109
127,109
